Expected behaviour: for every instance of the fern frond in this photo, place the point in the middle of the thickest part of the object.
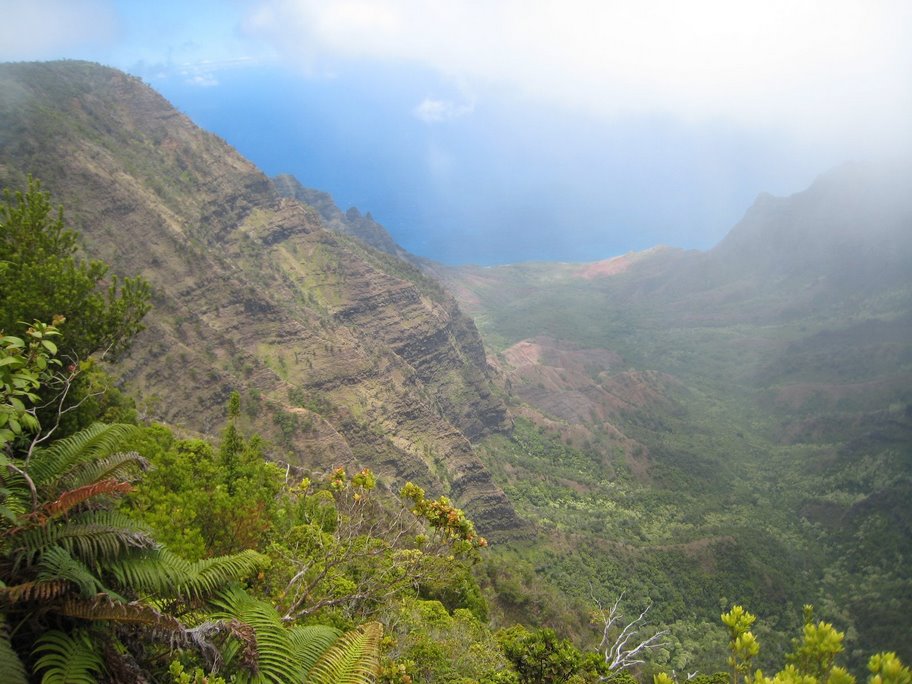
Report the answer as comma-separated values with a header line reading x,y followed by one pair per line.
x,y
212,574
353,659
93,536
73,497
164,574
119,466
274,651
56,565
50,465
309,642
150,571
103,608
41,590
67,658
11,668
15,497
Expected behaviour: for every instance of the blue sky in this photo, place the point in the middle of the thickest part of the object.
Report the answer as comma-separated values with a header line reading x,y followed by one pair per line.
x,y
491,131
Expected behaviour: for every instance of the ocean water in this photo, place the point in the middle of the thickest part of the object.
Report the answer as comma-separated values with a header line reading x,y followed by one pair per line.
x,y
500,178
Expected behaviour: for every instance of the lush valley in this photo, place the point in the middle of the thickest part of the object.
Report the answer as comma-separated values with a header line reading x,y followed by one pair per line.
x,y
686,430
746,410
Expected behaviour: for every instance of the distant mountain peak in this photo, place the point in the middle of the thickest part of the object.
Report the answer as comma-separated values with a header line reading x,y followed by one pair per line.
x,y
855,219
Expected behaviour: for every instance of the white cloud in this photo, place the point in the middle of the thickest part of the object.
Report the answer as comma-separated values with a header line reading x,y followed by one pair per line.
x,y
204,73
49,29
203,80
431,110
818,69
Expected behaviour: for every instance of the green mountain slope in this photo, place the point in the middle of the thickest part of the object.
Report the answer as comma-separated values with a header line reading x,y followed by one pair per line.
x,y
692,429
344,354
747,411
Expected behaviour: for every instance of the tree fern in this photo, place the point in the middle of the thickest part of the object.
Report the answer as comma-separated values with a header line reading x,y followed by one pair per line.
x,y
64,552
272,658
309,642
211,574
162,573
34,591
103,608
13,502
73,497
353,659
59,465
57,564
92,536
15,496
120,465
310,654
67,658
12,671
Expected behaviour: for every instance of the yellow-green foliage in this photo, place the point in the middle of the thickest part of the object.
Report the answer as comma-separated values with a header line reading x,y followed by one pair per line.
x,y
427,644
886,668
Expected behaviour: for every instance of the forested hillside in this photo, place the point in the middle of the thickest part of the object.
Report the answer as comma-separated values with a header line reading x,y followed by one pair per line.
x,y
734,423
239,427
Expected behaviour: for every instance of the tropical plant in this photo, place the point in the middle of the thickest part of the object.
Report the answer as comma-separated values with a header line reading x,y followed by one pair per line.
x,y
44,277
70,562
268,651
353,552
743,646
542,657
25,363
425,643
813,660
886,668
197,505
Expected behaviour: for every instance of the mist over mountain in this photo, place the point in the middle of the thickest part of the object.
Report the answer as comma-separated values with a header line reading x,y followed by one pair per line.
x,y
505,182
689,428
851,226
765,382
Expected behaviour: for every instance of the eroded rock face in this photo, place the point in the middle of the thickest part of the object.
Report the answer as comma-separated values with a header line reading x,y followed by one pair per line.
x,y
343,354
352,222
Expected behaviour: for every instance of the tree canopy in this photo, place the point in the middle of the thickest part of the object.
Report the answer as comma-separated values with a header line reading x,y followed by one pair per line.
x,y
43,277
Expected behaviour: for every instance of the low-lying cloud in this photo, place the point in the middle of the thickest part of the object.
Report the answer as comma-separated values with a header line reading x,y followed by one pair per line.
x,y
51,29
431,110
820,71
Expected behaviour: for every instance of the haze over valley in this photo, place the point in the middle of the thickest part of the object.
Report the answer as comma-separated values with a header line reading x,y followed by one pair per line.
x,y
425,346
519,131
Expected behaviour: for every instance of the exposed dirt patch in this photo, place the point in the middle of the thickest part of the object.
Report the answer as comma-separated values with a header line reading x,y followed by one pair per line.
x,y
607,267
524,353
580,386
700,550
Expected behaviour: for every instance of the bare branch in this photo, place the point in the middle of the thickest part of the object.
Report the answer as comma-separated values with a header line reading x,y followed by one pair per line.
x,y
625,648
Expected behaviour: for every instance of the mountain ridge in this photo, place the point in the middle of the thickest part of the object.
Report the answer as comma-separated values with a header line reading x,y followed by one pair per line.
x,y
344,354
684,426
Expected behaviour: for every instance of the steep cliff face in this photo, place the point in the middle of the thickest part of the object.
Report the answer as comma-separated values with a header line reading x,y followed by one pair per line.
x,y
344,354
352,222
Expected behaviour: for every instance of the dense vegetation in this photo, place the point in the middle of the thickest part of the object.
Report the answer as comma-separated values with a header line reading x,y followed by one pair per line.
x,y
700,428
132,552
